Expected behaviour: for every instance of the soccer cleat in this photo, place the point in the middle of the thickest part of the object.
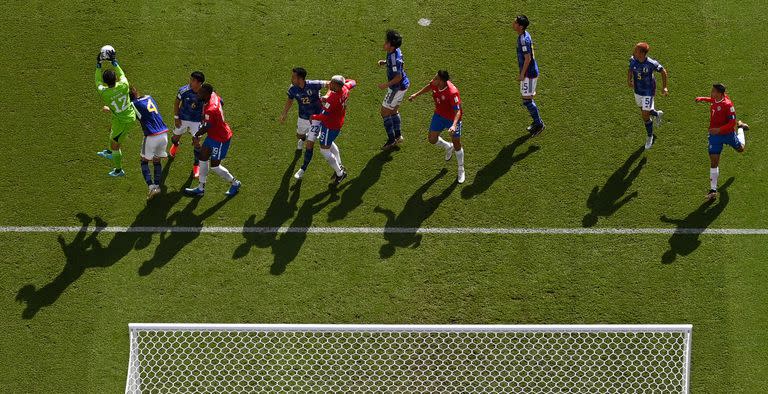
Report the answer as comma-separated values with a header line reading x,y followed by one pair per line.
x,y
299,174
105,154
153,191
462,176
234,188
196,171
399,140
388,145
712,194
117,172
340,178
194,192
300,145
449,153
173,150
530,127
657,119
650,141
743,126
537,129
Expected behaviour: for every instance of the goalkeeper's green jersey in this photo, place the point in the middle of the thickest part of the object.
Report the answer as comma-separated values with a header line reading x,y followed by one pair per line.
x,y
116,98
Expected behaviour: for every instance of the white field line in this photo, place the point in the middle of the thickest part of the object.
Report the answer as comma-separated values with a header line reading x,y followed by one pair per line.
x,y
388,230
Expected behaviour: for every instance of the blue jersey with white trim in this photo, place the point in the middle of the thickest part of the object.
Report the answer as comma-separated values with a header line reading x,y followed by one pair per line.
x,y
395,67
308,97
191,109
148,115
525,47
643,77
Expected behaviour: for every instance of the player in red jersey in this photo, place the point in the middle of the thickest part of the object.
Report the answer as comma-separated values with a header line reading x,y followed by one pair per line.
x,y
724,129
216,144
447,116
330,122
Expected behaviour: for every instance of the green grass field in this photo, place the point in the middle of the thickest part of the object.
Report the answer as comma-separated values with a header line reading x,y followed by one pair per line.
x,y
66,299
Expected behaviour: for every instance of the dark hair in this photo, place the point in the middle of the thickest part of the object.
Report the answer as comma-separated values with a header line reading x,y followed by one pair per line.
x,y
133,92
719,87
523,21
300,72
109,77
198,75
394,38
443,75
206,88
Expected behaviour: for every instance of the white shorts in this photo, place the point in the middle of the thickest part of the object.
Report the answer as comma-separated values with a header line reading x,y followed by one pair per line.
x,y
304,127
644,102
187,126
393,98
528,87
153,146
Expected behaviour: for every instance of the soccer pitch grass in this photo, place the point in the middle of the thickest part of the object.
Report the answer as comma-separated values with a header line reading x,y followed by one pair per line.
x,y
66,299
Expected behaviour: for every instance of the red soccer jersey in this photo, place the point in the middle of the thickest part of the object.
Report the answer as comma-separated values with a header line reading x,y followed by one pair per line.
x,y
335,107
213,116
447,101
722,114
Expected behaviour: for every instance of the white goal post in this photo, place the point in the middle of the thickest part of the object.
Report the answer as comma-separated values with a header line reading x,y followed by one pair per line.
x,y
348,358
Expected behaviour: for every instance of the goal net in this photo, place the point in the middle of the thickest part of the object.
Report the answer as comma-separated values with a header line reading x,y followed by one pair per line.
x,y
300,358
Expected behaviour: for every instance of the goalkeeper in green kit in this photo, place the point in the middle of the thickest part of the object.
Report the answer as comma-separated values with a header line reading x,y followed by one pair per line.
x,y
114,90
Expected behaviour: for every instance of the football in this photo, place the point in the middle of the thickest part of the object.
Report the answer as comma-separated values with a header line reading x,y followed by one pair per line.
x,y
107,52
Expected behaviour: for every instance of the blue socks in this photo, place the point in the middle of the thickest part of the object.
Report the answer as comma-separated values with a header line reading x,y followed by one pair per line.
x,y
145,172
533,110
649,127
396,125
158,173
389,126
197,156
307,158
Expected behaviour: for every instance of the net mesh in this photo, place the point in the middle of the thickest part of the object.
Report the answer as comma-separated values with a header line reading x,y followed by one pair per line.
x,y
217,361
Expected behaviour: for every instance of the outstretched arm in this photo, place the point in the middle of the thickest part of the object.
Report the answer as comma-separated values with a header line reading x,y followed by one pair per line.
x,y
420,92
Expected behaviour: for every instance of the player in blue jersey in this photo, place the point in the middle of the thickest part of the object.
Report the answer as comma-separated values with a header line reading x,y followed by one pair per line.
x,y
396,86
155,139
307,95
640,77
187,115
529,72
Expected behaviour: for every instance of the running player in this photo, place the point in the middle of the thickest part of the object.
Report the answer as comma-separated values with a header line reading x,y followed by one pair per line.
x,y
155,139
396,85
307,95
447,116
187,112
216,144
330,122
529,72
724,129
116,98
640,77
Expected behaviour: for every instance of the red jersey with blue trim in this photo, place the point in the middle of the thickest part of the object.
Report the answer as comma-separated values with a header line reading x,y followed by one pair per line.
x,y
213,117
335,107
447,101
722,114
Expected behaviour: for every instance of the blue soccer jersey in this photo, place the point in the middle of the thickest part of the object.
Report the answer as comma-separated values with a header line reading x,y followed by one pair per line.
x,y
525,47
643,77
191,108
308,97
395,67
148,115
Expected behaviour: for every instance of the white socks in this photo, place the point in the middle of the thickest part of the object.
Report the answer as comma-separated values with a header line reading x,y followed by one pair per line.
x,y
713,174
204,166
335,151
441,143
224,173
332,160
460,156
740,137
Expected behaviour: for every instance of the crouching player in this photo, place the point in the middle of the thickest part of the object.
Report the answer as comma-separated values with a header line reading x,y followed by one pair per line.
x,y
155,139
448,113
216,144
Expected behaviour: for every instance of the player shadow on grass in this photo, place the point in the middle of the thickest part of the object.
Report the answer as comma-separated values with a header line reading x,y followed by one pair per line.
x,y
499,166
685,240
281,208
287,246
612,196
353,196
86,251
401,229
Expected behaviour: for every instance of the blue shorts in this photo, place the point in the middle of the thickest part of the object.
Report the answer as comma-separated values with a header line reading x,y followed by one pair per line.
x,y
218,149
440,123
716,142
327,136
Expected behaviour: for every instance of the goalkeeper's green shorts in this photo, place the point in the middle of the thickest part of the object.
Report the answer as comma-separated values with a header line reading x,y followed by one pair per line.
x,y
120,129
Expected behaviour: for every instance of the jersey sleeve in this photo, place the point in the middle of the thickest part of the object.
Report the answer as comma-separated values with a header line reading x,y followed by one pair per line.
x,y
99,81
395,63
525,44
289,92
350,84
456,101
119,73
656,65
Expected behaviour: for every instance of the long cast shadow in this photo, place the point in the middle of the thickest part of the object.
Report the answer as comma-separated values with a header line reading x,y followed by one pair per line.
x,y
499,166
353,196
401,229
685,240
281,208
86,251
607,200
